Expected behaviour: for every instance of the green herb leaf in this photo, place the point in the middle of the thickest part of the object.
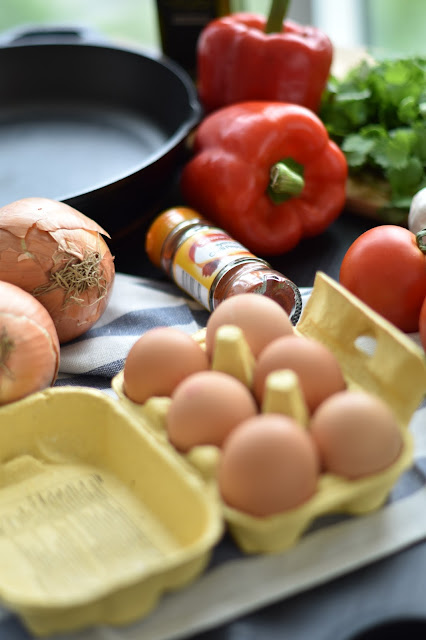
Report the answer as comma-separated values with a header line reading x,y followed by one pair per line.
x,y
356,149
377,115
405,181
394,151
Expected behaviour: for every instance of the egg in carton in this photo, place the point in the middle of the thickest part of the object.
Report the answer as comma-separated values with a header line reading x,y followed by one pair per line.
x,y
373,355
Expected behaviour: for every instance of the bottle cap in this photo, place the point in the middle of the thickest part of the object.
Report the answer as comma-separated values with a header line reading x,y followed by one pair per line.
x,y
161,228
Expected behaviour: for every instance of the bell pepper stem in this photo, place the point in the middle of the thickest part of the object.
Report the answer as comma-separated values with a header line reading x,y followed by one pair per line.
x,y
277,14
285,181
421,240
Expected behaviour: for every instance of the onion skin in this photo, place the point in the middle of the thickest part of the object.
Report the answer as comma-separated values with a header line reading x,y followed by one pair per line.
x,y
29,345
38,238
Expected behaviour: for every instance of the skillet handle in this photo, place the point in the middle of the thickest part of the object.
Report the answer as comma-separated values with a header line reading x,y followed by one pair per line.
x,y
39,34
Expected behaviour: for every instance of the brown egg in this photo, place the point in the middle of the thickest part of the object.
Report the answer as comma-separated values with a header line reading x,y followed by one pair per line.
x,y
269,464
261,320
158,361
316,366
356,434
205,407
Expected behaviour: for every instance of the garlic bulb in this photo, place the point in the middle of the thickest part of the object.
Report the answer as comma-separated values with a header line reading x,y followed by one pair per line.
x,y
417,212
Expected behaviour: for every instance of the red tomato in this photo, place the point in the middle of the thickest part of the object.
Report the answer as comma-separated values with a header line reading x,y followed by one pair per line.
x,y
386,269
422,324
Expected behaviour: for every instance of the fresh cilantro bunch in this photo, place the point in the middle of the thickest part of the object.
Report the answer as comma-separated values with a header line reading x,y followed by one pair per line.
x,y
377,115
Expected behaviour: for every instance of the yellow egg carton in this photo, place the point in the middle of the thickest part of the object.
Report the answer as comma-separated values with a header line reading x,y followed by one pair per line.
x,y
97,519
374,356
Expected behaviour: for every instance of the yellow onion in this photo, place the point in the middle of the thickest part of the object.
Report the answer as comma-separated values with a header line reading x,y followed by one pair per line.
x,y
29,345
59,256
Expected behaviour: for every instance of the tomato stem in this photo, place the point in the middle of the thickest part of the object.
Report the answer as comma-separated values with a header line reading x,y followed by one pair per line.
x,y
421,240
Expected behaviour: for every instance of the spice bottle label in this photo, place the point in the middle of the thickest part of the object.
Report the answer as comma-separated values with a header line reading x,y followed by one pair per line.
x,y
201,257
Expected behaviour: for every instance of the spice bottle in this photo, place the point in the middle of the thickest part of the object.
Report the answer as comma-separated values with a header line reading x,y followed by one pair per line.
x,y
210,266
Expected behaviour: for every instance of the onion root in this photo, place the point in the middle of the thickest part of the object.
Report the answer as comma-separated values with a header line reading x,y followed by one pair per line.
x,y
75,278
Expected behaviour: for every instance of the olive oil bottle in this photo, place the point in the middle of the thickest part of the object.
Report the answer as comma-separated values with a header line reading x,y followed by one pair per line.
x,y
180,23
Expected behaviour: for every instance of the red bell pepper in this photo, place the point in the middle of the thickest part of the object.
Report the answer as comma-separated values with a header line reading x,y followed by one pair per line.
x,y
267,173
243,57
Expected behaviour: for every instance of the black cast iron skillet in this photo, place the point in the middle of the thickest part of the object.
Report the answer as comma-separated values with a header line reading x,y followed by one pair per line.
x,y
98,126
